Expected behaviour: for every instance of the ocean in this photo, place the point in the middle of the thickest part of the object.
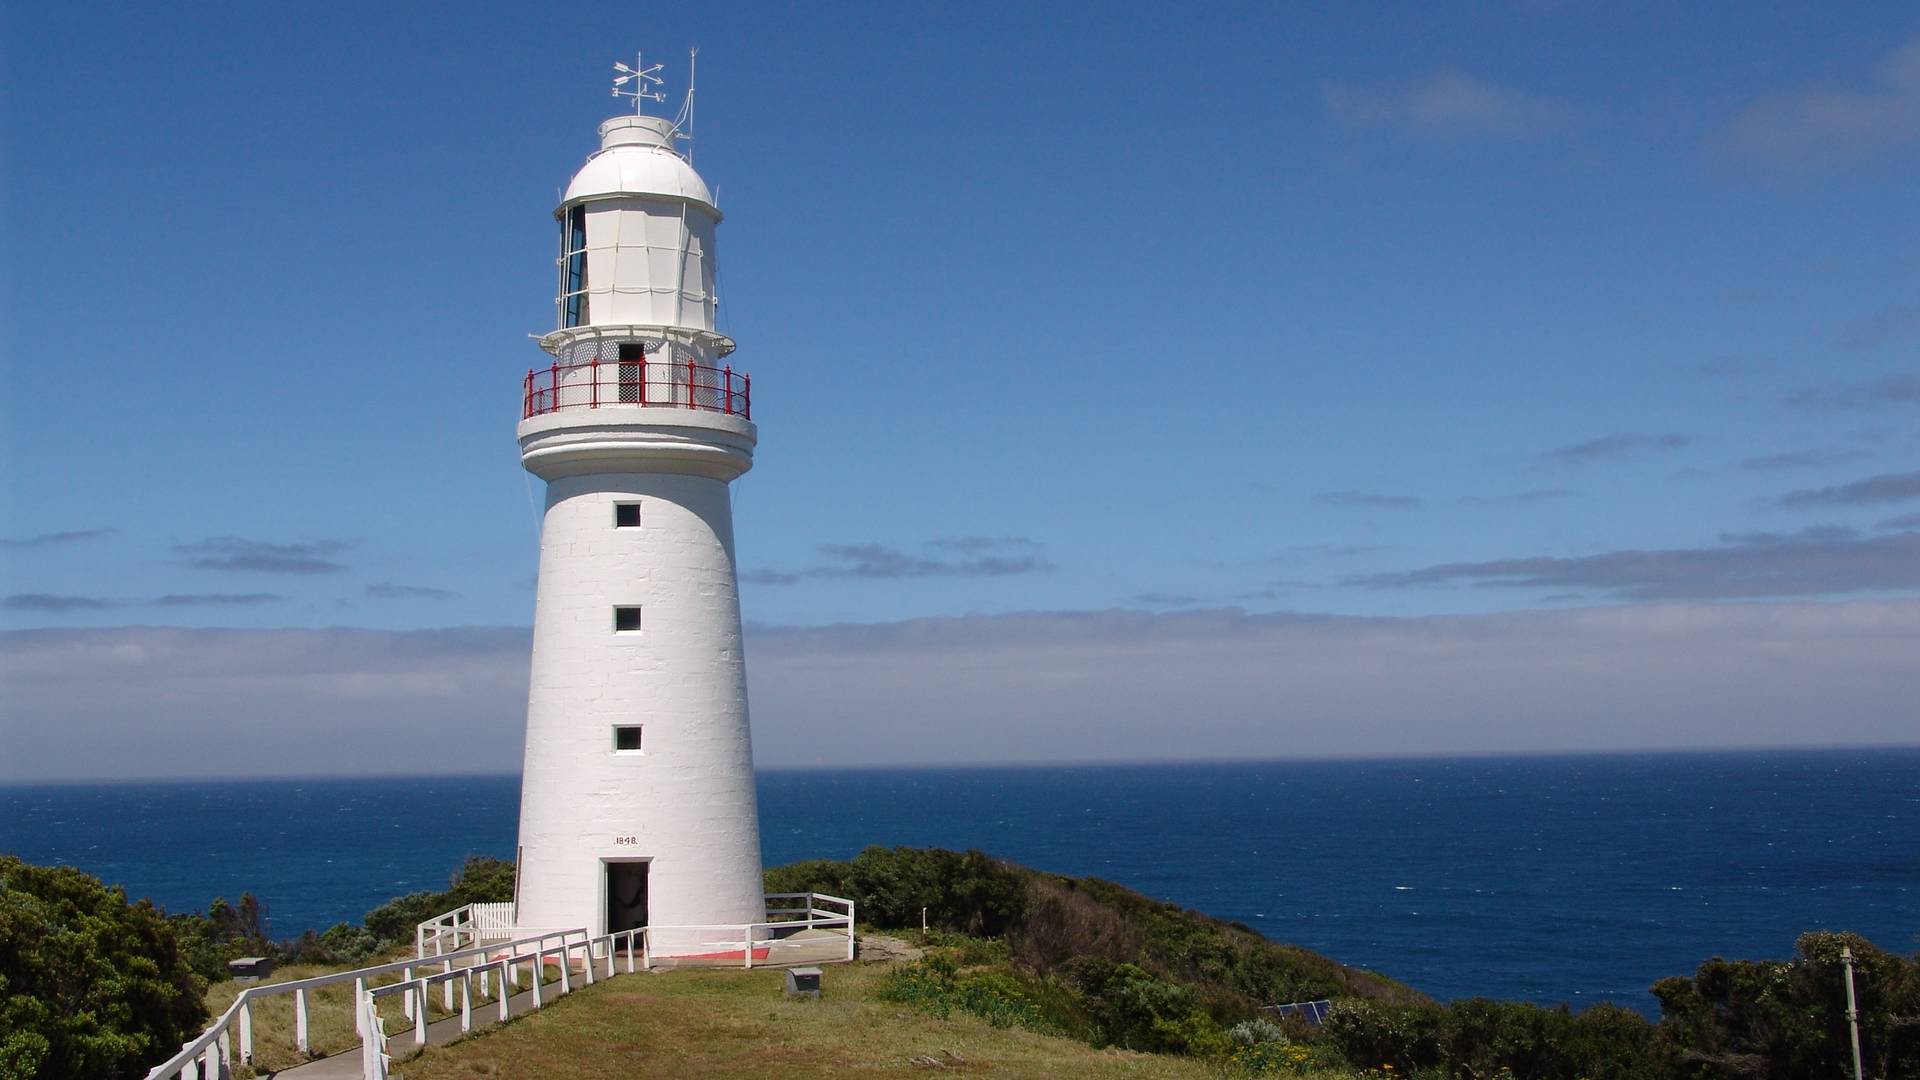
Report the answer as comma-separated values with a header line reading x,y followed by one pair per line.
x,y
1549,879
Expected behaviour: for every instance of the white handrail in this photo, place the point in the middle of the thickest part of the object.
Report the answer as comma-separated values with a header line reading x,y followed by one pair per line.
x,y
201,1051
207,1054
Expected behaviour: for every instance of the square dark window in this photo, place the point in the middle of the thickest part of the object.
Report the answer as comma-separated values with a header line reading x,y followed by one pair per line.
x,y
626,515
626,618
626,737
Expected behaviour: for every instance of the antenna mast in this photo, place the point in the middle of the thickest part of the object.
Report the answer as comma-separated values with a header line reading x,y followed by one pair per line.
x,y
686,110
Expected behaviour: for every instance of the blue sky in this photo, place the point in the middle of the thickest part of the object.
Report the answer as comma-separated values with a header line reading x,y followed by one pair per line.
x,y
1357,310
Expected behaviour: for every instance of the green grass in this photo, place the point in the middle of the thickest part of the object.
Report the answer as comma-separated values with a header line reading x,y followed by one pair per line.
x,y
730,1023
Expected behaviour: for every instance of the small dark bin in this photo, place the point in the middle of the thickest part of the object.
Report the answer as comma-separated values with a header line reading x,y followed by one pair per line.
x,y
803,981
250,968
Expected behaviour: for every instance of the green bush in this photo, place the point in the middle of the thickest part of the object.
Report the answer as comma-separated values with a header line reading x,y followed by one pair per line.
x,y
480,880
1739,1018
967,950
1373,1033
1068,918
1131,1007
1281,1057
225,932
965,892
90,985
1481,1037
937,985
341,944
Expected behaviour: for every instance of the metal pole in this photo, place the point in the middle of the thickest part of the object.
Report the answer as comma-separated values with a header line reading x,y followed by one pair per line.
x,y
1853,1014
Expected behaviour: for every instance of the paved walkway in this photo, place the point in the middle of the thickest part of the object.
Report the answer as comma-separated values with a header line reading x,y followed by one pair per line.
x,y
808,947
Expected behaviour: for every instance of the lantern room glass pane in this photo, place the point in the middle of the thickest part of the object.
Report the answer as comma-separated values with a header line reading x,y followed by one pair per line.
x,y
574,284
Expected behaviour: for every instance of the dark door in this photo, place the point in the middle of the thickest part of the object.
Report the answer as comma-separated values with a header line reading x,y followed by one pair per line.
x,y
626,896
633,373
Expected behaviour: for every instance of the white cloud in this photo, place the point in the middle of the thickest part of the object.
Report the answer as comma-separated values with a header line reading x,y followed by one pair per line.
x,y
1445,102
1105,685
1819,125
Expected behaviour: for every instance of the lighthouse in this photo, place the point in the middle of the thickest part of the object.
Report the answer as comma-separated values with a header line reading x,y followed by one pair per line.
x,y
637,802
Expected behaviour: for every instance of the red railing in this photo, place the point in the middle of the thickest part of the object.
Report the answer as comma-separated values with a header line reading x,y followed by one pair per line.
x,y
658,383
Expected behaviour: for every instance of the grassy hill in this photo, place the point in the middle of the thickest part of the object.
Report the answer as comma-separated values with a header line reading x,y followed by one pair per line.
x,y
1026,973
711,1023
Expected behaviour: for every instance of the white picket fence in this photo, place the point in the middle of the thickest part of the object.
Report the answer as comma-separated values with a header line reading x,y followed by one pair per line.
x,y
497,952
464,927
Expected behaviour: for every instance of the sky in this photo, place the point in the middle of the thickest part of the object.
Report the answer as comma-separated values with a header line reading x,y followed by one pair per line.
x,y
1133,381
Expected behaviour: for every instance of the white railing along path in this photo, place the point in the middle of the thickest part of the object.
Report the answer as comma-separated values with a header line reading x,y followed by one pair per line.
x,y
214,1050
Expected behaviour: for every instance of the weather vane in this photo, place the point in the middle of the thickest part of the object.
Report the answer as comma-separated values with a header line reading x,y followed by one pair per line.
x,y
643,78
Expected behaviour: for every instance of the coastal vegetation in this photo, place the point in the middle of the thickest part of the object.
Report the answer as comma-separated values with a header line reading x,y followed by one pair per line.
x,y
1103,964
90,984
229,931
1018,971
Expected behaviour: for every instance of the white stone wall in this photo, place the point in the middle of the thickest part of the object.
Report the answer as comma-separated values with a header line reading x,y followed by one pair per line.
x,y
686,800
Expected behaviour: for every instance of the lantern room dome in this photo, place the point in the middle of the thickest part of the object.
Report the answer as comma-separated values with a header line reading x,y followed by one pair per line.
x,y
636,157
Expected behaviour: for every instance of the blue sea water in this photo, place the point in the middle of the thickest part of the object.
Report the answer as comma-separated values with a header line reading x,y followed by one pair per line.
x,y
1574,879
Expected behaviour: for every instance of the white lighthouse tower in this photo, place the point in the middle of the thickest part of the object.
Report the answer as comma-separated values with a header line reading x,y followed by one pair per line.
x,y
637,801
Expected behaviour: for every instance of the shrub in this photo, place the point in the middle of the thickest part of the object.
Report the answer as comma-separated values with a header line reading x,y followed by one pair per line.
x,y
936,985
1255,1032
1068,918
1481,1037
480,880
1282,1056
90,985
1737,1018
965,892
341,944
225,932
1131,1007
968,950
1371,1033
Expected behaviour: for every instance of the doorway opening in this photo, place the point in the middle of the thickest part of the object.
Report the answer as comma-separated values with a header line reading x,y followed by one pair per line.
x,y
626,895
633,373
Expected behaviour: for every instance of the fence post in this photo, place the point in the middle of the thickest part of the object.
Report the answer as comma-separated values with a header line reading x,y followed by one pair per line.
x,y
419,994
646,948
566,965
447,995
359,992
246,1033
538,971
225,1045
369,1045
300,1020
849,931
406,1001
504,993
466,1001
747,953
